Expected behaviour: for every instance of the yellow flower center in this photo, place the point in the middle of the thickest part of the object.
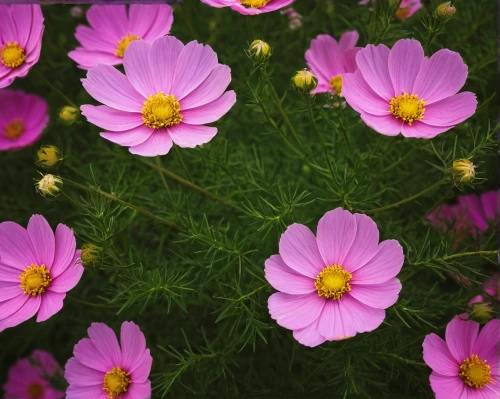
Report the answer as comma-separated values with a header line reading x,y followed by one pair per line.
x,y
336,84
12,55
407,107
14,129
35,390
402,13
35,279
116,382
124,42
333,282
475,372
254,3
161,111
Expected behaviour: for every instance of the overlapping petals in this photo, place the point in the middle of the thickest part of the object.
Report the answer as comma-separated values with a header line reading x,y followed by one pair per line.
x,y
249,7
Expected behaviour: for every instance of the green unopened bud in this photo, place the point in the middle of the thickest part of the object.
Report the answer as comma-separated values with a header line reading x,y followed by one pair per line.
x,y
463,171
259,51
68,114
445,11
91,255
48,157
481,312
304,81
49,185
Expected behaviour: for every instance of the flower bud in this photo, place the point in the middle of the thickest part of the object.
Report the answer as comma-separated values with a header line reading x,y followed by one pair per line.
x,y
91,255
68,114
76,12
259,51
463,171
481,312
48,157
49,185
304,81
445,11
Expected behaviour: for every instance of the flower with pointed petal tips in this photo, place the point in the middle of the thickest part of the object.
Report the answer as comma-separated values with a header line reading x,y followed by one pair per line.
x,y
250,7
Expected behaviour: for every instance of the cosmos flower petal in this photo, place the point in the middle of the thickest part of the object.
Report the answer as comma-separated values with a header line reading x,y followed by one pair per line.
x,y
51,303
385,265
324,58
422,130
133,344
373,63
80,375
362,98
438,357
131,137
451,111
487,344
109,19
309,336
70,277
365,244
379,296
386,125
140,371
348,40
490,204
140,20
42,240
350,60
105,341
472,207
88,391
163,59
111,119
285,279
295,311
25,312
86,352
89,39
190,136
460,337
333,323
446,387
87,59
15,246
159,143
140,390
9,290
138,72
11,306
210,112
405,59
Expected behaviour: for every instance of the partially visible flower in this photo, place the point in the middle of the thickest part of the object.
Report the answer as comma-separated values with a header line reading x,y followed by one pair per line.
x,y
407,8
480,311
463,170
68,114
259,51
48,157
21,31
330,60
250,7
399,90
294,18
466,365
49,185
445,11
335,284
29,378
22,118
102,368
91,255
170,91
304,81
112,29
37,268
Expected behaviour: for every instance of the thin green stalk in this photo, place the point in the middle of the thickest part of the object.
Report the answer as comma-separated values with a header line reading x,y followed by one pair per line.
x,y
55,89
467,254
164,181
94,305
250,27
181,160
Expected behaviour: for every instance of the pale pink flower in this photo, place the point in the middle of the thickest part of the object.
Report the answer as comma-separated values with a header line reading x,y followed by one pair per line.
x,y
406,9
103,369
492,287
170,91
21,31
399,90
22,119
336,284
112,30
29,378
294,18
330,60
37,268
250,7
467,364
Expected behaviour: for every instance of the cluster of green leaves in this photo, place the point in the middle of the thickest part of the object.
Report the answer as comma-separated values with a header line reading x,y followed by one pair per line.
x,y
184,238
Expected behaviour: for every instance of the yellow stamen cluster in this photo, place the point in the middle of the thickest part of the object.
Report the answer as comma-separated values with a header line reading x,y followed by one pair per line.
x,y
14,129
35,279
336,84
123,43
116,382
475,372
254,3
12,55
333,282
161,111
407,107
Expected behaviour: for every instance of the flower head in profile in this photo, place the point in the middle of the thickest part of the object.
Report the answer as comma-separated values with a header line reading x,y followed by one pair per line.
x,y
21,31
399,90
37,268
113,28
30,378
330,60
466,365
104,369
22,119
250,7
170,91
335,284
406,9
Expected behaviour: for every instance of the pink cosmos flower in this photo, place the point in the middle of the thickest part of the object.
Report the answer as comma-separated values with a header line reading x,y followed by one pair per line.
x,y
401,90
21,31
330,60
112,30
37,268
406,9
103,370
30,378
169,92
294,18
250,7
492,288
467,364
336,284
22,119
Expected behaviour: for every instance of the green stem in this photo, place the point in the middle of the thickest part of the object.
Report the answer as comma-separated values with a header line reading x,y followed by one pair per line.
x,y
181,160
55,89
94,305
250,27
165,184
467,254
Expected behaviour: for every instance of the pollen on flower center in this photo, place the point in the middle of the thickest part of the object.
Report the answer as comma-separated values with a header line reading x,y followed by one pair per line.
x,y
35,391
35,279
14,129
12,55
333,282
475,372
161,111
124,42
254,3
407,107
116,382
336,84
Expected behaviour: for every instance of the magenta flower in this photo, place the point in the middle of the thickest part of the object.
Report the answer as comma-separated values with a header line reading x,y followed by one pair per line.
x,y
250,7
492,287
164,101
22,119
337,284
406,9
330,60
103,370
402,91
467,364
21,31
112,30
37,268
30,378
